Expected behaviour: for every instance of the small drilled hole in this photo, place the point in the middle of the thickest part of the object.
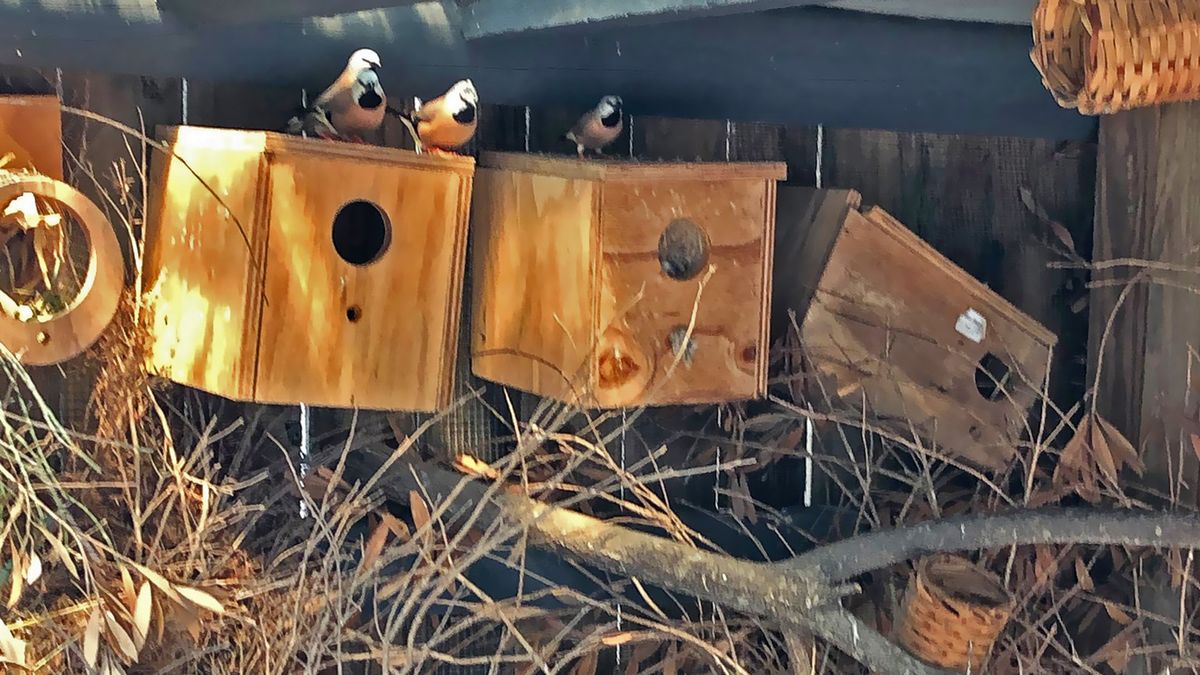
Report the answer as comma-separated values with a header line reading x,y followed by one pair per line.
x,y
682,249
353,313
43,338
992,377
361,232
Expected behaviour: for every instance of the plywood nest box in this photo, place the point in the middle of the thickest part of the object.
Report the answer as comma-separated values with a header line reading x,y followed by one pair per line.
x,y
887,322
284,269
587,274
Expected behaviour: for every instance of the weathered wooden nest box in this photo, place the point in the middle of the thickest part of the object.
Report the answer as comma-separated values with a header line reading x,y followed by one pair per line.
x,y
888,322
586,274
287,269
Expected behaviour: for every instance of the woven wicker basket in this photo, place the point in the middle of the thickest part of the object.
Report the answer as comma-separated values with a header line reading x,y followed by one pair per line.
x,y
952,613
1103,56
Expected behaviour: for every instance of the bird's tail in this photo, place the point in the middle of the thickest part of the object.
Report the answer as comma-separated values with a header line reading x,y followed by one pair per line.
x,y
409,123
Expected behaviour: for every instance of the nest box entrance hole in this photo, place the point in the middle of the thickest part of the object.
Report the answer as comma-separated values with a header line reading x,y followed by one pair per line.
x,y
361,232
45,256
682,249
993,377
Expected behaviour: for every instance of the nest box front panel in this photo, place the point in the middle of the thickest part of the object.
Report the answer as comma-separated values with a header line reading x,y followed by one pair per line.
x,y
201,268
659,239
363,285
533,280
893,321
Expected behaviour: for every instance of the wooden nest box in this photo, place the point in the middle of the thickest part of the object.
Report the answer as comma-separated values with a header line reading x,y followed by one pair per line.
x,y
287,270
587,274
887,321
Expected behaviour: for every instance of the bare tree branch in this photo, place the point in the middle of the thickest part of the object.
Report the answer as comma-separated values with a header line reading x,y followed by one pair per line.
x,y
850,557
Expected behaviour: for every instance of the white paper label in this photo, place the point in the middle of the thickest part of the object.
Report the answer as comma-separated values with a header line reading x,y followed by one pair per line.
x,y
972,325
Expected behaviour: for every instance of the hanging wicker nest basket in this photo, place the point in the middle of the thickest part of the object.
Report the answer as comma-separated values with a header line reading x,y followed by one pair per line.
x,y
952,613
1104,56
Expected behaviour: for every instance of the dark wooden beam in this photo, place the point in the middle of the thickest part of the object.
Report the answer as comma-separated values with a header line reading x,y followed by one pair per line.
x,y
495,18
1145,316
803,65
254,11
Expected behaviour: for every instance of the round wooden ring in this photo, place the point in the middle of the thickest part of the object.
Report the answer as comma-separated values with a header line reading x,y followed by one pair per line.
x,y
70,332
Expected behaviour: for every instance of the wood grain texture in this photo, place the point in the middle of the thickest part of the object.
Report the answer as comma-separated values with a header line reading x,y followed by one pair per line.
x,y
882,323
199,270
1147,193
730,337
613,170
286,319
573,301
31,129
534,271
961,194
377,336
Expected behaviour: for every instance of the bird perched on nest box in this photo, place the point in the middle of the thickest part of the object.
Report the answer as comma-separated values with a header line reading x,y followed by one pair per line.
x,y
598,127
448,121
352,106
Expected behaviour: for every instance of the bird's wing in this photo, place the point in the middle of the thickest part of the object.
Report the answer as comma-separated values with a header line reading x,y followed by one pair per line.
x,y
581,125
428,110
339,95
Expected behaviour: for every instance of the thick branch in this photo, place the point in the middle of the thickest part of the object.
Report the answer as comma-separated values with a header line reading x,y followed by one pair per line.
x,y
851,557
754,588
789,598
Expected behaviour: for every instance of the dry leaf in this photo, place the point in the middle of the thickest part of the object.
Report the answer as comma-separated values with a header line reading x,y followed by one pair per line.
x,y
640,653
1195,444
128,589
1101,453
60,550
16,577
34,571
1117,614
1045,563
670,664
420,512
142,613
587,664
373,548
394,524
201,599
120,636
12,648
475,467
1122,450
614,639
1060,232
1084,577
91,637
159,581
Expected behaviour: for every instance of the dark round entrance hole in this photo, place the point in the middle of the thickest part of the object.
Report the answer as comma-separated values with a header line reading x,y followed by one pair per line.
x,y
992,377
353,313
361,232
682,249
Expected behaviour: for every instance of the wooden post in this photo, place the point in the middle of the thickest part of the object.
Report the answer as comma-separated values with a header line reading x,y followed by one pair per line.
x,y
1145,319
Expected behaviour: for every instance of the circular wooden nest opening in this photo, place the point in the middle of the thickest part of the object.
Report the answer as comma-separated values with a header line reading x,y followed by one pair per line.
x,y
682,249
61,269
361,232
45,253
